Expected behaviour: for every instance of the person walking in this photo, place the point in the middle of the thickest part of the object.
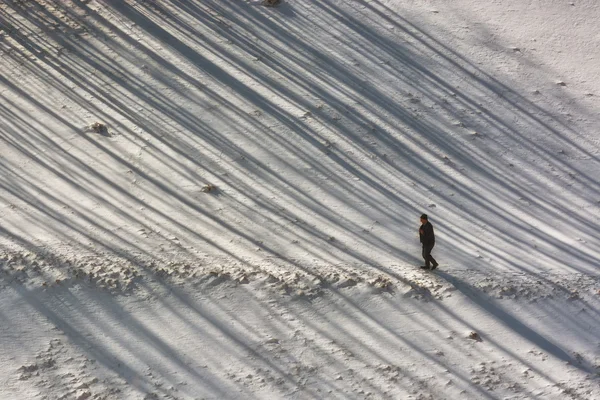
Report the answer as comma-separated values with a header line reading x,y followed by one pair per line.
x,y
427,238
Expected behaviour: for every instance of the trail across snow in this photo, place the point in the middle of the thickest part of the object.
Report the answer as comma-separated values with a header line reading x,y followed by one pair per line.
x,y
220,200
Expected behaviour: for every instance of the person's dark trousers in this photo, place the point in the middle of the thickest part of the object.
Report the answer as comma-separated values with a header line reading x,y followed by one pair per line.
x,y
427,255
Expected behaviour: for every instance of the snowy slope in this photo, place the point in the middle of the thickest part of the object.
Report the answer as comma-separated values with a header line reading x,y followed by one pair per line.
x,y
263,170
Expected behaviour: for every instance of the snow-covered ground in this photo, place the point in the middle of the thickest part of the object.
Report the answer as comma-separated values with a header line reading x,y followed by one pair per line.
x,y
217,199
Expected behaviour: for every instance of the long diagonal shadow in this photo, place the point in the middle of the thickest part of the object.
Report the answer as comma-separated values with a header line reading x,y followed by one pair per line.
x,y
511,322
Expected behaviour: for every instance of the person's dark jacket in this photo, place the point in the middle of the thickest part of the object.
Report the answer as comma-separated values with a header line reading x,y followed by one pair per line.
x,y
426,234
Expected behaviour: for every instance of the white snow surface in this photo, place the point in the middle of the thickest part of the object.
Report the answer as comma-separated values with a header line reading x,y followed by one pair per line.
x,y
218,199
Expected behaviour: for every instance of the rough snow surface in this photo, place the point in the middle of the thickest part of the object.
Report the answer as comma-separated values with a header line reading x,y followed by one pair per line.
x,y
218,199
135,330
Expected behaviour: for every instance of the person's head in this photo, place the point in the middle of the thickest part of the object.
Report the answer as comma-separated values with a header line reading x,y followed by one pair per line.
x,y
424,218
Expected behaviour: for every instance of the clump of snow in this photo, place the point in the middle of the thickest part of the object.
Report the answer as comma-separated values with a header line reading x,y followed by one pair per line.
x,y
99,127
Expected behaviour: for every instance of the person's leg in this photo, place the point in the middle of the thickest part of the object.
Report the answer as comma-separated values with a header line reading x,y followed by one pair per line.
x,y
433,262
426,255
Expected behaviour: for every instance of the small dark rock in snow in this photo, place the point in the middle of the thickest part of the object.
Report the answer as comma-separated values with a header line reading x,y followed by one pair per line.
x,y
208,188
561,83
271,3
100,128
475,336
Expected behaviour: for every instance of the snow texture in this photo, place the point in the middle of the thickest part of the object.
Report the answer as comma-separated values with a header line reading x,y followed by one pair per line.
x,y
220,199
